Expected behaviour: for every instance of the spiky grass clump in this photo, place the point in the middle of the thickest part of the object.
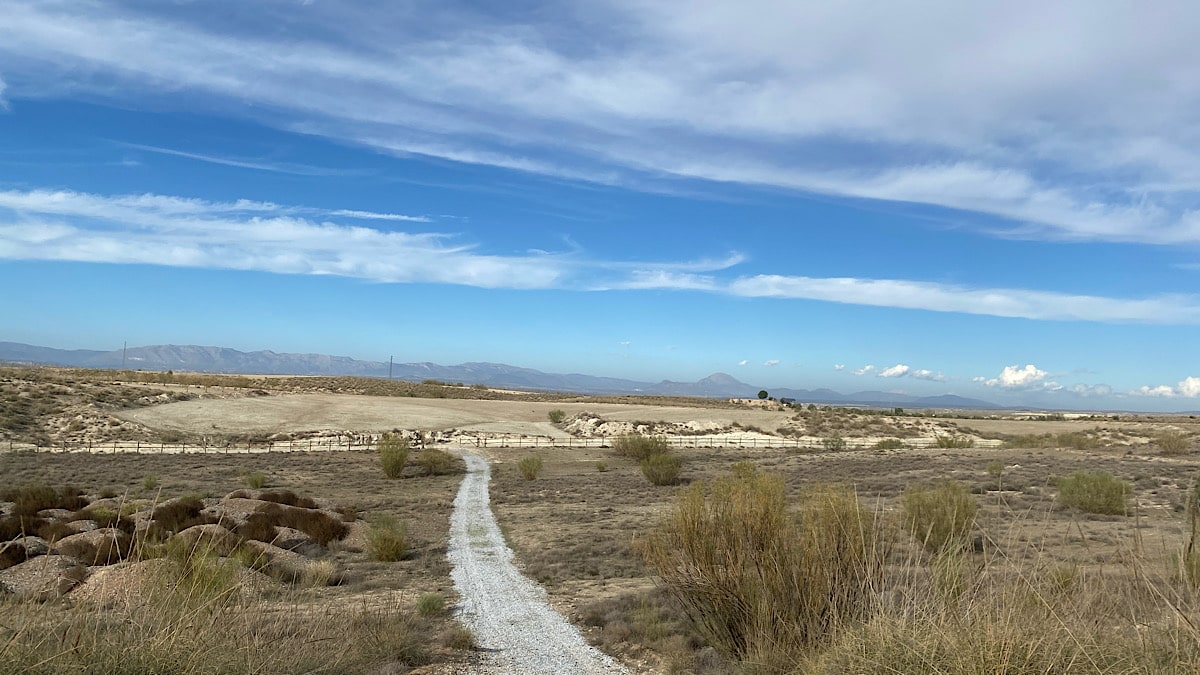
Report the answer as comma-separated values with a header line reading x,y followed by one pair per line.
x,y
1094,492
530,466
1172,443
762,584
28,500
940,516
639,447
662,468
393,454
387,539
439,462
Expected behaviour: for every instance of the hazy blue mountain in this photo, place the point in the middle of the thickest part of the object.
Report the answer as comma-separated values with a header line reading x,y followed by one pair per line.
x,y
202,359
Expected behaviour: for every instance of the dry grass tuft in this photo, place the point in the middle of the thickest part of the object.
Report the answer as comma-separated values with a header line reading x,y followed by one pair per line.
x,y
393,452
762,584
530,466
387,539
939,517
1094,492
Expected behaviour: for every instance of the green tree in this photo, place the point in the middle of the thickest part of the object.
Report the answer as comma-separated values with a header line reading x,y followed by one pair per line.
x,y
762,394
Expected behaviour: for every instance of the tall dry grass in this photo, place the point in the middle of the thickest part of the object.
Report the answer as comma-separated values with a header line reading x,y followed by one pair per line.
x,y
192,614
824,586
761,583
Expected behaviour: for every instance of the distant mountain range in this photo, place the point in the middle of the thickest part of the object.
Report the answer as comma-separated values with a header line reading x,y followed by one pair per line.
x,y
192,358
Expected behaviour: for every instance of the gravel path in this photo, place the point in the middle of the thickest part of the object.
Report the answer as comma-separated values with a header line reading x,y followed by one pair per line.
x,y
507,612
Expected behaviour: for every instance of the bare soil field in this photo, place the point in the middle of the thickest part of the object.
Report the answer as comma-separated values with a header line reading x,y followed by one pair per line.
x,y
579,527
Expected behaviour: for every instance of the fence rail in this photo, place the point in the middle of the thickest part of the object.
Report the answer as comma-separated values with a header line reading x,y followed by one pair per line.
x,y
367,444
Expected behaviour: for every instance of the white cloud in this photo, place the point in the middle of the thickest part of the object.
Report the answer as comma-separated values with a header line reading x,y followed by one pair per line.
x,y
3,101
246,235
1017,119
898,370
839,367
1089,390
925,374
626,343
1188,387
1015,377
864,370
938,297
771,362
249,234
743,362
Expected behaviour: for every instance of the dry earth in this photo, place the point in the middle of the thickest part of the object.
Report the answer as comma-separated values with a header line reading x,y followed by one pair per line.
x,y
573,527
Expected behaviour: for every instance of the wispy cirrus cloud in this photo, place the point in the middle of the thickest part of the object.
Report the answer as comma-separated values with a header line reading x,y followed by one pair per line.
x,y
263,236
246,235
251,234
1005,302
1036,130
256,164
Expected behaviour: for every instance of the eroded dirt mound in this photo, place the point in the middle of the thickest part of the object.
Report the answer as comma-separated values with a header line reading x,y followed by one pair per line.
x,y
590,425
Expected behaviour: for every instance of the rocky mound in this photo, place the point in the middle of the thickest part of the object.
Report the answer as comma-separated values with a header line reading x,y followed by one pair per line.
x,y
106,552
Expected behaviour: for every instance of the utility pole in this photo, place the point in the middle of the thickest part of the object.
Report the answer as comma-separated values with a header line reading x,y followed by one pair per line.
x,y
389,367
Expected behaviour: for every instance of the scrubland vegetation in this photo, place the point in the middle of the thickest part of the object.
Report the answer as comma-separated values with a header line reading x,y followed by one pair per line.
x,y
179,590
1070,550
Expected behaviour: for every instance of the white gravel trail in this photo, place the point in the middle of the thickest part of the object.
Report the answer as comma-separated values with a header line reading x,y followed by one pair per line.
x,y
507,612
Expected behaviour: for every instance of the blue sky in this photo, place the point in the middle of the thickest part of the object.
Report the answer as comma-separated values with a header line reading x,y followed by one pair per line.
x,y
995,201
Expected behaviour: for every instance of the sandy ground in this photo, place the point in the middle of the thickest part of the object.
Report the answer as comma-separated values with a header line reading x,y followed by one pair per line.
x,y
288,413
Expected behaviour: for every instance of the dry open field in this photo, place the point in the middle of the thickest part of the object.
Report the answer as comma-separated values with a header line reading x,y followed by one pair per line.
x,y
576,527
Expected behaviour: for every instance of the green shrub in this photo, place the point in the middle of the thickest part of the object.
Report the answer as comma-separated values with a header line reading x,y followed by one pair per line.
x,y
438,462
890,444
761,584
254,480
556,416
149,482
431,604
259,527
662,468
639,447
28,500
387,539
1172,443
178,515
834,443
322,527
530,466
393,454
285,497
955,442
1076,440
602,466
1094,492
939,517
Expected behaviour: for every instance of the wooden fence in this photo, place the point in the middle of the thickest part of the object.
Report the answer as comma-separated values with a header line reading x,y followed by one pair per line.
x,y
366,443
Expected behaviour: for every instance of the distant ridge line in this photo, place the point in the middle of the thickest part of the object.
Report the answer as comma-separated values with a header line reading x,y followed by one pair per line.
x,y
207,359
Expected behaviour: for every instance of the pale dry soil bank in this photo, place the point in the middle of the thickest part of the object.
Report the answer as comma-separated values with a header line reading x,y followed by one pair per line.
x,y
288,413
